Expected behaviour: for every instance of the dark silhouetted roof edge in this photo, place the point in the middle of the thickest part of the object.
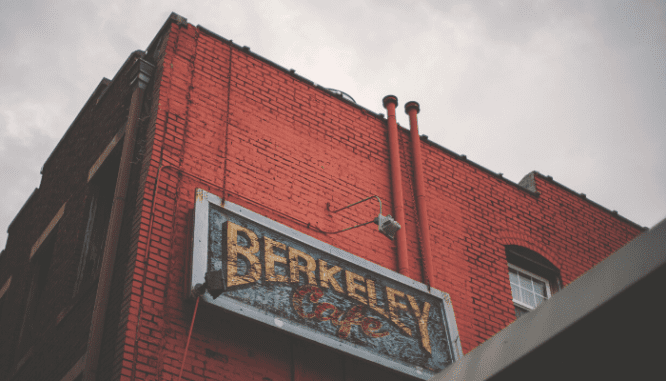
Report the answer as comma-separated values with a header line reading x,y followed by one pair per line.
x,y
97,95
25,204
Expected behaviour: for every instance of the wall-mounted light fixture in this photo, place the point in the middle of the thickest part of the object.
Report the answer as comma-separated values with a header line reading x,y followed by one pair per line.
x,y
387,225
214,284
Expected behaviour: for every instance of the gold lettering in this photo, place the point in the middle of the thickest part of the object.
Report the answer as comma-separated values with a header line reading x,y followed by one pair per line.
x,y
295,267
233,250
326,276
422,319
372,298
270,258
393,305
352,286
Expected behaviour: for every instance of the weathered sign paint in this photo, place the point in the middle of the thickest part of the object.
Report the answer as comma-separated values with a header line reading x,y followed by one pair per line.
x,y
282,277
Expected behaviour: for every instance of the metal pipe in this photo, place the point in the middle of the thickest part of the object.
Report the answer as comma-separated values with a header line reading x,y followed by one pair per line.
x,y
328,207
345,229
412,108
141,71
328,204
390,103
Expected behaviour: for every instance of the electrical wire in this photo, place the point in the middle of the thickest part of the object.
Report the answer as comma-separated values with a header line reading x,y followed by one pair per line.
x,y
189,336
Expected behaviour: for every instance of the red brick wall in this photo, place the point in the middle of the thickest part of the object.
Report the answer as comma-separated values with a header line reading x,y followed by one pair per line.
x,y
259,136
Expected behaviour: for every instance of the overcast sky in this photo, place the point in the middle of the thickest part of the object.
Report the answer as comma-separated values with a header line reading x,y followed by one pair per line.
x,y
573,89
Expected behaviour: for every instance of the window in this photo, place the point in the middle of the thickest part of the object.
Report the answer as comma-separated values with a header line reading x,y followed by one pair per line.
x,y
39,273
98,213
528,290
533,278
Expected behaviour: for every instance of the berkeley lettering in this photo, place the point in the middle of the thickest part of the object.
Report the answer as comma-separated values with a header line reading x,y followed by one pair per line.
x,y
326,276
372,298
394,305
248,252
270,258
352,286
298,265
296,268
422,316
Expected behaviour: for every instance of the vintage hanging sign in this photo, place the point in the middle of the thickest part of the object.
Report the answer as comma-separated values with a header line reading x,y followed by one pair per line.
x,y
279,276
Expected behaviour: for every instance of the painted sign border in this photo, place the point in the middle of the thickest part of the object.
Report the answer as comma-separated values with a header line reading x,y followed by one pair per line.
x,y
200,265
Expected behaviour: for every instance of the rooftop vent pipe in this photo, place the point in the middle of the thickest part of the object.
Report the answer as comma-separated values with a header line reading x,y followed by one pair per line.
x,y
390,103
412,108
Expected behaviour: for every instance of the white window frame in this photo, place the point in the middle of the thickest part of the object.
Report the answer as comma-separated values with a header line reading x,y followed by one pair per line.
x,y
533,275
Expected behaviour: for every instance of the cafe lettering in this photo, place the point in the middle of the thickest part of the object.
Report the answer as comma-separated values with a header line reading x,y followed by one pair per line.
x,y
300,263
289,280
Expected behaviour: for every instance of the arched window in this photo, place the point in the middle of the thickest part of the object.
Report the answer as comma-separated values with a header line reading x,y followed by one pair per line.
x,y
533,278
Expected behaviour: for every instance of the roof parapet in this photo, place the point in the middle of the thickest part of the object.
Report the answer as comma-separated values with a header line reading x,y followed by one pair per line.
x,y
530,181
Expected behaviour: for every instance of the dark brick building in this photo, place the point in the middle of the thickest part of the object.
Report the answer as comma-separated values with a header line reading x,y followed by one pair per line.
x,y
93,281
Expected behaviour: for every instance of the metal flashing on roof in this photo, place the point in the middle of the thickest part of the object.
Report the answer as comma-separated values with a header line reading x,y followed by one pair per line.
x,y
528,182
341,94
178,19
102,88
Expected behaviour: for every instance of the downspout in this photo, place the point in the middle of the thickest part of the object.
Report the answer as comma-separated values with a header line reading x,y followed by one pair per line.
x,y
140,73
412,108
390,103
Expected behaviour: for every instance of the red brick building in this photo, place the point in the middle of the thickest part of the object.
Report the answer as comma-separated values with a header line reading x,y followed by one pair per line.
x,y
96,282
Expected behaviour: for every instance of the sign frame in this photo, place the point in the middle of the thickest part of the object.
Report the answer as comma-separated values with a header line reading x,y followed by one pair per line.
x,y
200,265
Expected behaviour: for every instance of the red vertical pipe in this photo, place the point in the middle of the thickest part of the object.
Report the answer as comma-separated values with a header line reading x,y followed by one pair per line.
x,y
390,103
412,108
